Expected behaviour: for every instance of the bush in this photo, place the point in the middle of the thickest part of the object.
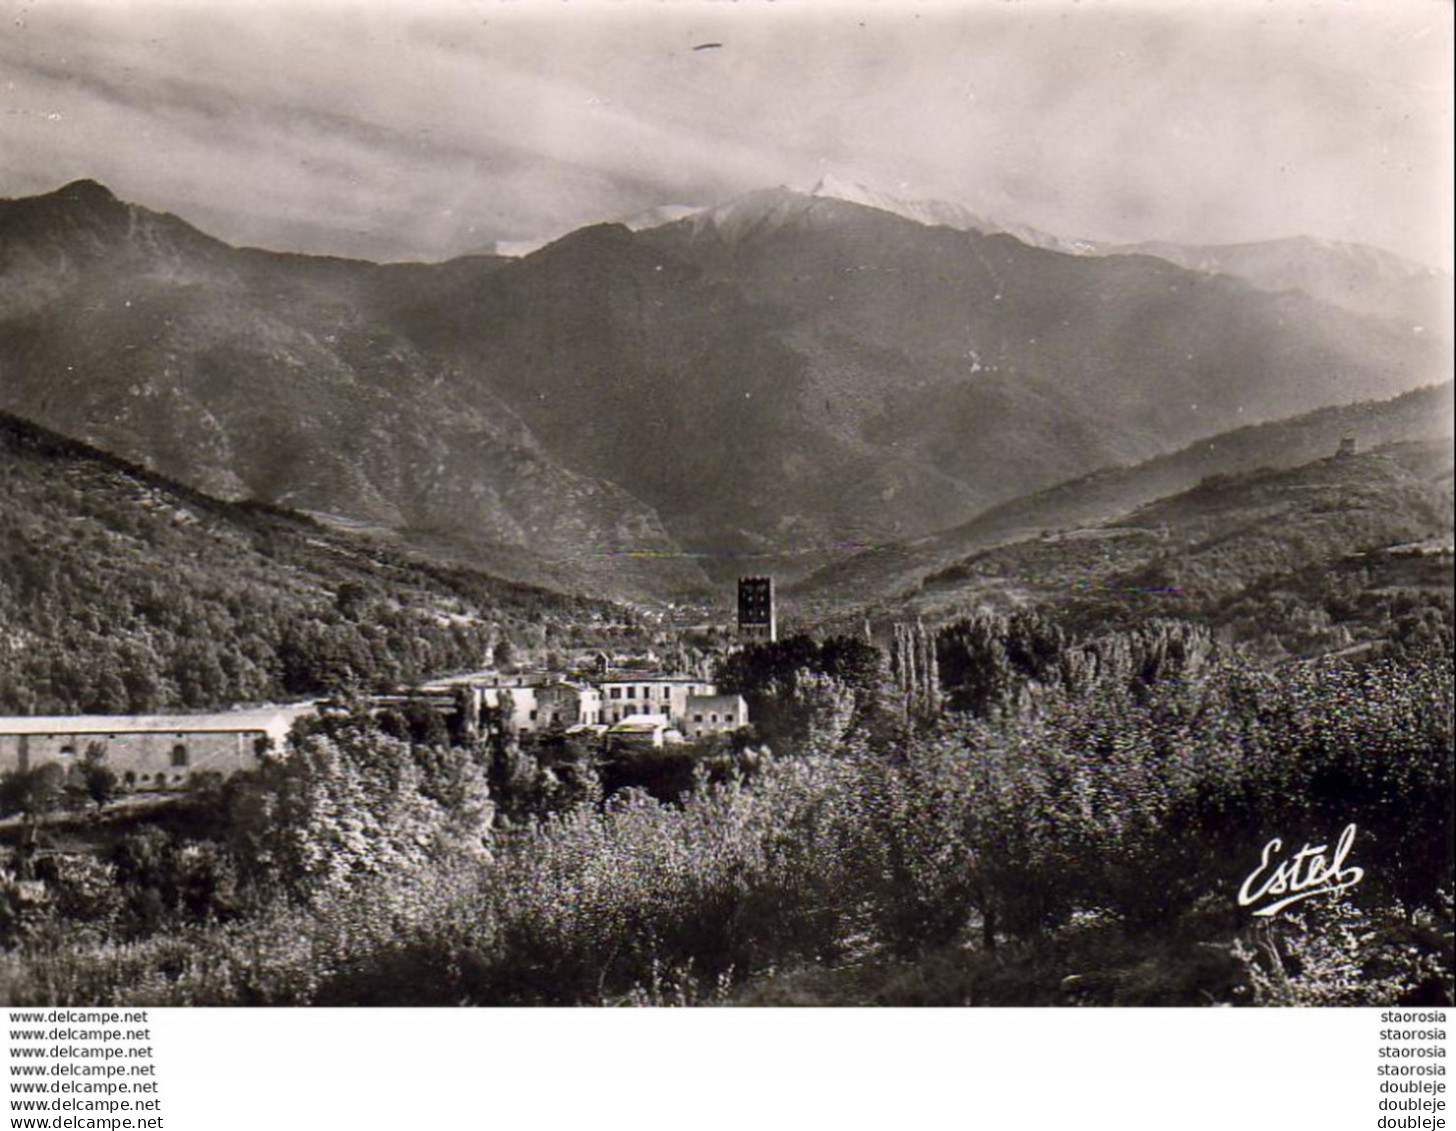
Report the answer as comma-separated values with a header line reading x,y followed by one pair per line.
x,y
1084,848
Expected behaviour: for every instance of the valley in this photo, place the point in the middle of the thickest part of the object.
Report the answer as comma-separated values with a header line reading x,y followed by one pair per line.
x,y
1063,573
639,413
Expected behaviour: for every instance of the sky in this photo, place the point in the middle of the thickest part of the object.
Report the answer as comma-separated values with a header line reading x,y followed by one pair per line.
x,y
388,129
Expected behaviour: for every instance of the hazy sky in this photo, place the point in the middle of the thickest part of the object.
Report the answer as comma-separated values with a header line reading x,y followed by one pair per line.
x,y
390,129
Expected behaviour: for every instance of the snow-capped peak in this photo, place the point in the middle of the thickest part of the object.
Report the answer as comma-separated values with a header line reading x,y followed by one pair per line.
x,y
934,213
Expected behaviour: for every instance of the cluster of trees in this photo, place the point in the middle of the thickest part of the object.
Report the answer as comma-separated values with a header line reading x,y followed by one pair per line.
x,y
1323,608
994,663
1286,562
37,791
349,804
122,593
1135,800
803,693
1085,842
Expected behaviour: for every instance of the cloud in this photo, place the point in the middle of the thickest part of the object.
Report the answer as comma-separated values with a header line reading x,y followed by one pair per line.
x,y
394,129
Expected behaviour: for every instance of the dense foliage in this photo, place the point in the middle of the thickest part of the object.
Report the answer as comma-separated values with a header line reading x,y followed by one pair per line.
x,y
801,692
1054,803
1083,846
1294,562
123,593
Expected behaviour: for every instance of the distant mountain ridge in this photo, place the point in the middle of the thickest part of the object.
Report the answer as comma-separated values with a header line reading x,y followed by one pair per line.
x,y
1357,543
1356,277
1362,279
771,381
940,213
1109,495
270,376
636,222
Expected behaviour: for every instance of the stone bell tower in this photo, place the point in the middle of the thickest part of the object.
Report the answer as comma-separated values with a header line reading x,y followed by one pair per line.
x,y
756,609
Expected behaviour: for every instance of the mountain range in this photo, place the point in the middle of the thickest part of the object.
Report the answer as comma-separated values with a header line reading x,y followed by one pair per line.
x,y
1105,498
771,383
1340,553
1359,278
1346,552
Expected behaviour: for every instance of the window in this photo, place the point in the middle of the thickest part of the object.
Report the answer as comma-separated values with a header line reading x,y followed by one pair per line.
x,y
697,718
614,692
179,754
67,750
713,717
533,716
728,718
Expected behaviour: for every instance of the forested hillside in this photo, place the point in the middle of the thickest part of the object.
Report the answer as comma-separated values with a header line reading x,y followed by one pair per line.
x,y
785,376
1292,562
1111,492
123,592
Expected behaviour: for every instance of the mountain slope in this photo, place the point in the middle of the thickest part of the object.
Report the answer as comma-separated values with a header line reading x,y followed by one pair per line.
x,y
768,382
1364,280
1361,279
1340,552
123,592
254,375
1107,495
788,373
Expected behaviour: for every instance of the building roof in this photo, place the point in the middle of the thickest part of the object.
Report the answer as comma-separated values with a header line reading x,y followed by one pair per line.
x,y
520,697
716,700
274,720
638,724
565,686
648,677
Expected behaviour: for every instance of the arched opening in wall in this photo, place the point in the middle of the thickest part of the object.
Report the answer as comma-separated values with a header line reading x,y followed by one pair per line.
x,y
179,754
